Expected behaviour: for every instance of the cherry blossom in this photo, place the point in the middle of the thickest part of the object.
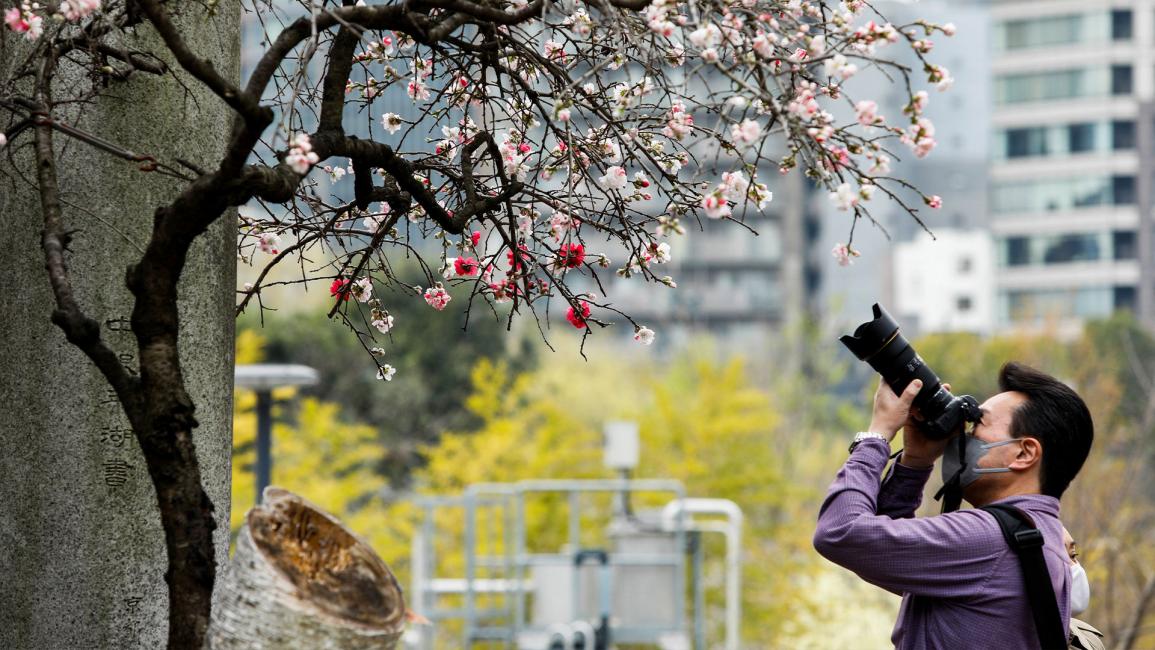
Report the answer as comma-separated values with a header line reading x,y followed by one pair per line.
x,y
844,254
391,122
301,156
935,201
615,178
746,133
386,372
269,243
362,289
437,297
644,335
382,320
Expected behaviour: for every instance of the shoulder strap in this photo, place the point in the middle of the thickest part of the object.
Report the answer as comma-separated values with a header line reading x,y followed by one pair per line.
x,y
1027,542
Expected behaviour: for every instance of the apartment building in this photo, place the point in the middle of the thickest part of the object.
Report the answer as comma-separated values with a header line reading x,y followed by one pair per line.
x,y
1070,176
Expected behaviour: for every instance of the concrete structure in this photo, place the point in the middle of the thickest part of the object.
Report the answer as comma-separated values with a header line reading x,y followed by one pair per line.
x,y
944,284
1072,160
83,554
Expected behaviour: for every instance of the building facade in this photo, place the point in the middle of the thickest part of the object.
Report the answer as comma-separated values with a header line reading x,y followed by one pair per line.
x,y
1070,175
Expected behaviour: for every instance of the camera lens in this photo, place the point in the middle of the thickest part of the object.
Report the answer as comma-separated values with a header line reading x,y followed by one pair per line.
x,y
880,343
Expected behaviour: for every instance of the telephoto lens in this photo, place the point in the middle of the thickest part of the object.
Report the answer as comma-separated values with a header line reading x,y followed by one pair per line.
x,y
880,343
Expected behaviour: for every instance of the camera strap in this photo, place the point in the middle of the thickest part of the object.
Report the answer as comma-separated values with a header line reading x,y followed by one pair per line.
x,y
1027,542
951,491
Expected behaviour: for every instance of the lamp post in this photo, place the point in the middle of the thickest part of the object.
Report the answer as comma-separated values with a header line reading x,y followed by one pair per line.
x,y
263,378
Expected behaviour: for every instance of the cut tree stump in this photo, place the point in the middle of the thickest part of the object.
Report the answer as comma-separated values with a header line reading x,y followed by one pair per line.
x,y
300,579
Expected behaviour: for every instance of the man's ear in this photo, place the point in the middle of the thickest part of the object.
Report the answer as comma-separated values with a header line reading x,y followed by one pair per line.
x,y
1030,454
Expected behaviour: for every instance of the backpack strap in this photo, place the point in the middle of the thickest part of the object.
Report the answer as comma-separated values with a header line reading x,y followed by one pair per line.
x,y
1027,542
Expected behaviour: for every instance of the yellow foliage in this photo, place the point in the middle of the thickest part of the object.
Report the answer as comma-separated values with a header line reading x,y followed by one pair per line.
x,y
330,462
701,422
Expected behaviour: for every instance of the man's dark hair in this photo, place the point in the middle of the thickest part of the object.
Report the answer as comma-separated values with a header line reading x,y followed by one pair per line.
x,y
1057,417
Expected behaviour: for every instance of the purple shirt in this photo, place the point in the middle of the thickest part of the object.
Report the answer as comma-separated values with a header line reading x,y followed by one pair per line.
x,y
961,584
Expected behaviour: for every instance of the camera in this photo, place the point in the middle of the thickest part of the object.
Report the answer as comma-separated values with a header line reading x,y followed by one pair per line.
x,y
880,343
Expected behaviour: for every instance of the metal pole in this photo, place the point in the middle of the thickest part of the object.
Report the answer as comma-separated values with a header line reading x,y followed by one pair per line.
x,y
264,440
695,540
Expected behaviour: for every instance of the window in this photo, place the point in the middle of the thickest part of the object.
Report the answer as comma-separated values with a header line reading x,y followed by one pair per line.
x,y
1124,298
1124,244
1080,138
965,264
1120,24
1121,79
1082,247
1026,142
1038,305
1018,251
1041,32
1122,135
1123,190
1058,194
963,303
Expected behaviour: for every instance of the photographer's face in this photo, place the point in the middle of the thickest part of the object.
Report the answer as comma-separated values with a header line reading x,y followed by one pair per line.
x,y
995,426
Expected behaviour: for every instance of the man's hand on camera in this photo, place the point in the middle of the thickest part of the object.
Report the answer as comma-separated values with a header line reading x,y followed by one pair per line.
x,y
892,411
918,450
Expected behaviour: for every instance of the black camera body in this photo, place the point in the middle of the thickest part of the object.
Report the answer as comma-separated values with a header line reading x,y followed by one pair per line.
x,y
880,343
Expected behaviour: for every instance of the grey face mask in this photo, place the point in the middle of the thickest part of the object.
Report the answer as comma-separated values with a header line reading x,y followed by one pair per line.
x,y
972,449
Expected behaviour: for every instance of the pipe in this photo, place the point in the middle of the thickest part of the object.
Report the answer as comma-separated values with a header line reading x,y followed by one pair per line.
x,y
673,518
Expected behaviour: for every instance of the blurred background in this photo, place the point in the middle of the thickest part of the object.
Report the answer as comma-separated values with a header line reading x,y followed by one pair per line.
x,y
1042,253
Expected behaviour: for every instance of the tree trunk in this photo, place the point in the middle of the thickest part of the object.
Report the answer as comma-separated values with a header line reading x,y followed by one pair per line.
x,y
301,579
84,556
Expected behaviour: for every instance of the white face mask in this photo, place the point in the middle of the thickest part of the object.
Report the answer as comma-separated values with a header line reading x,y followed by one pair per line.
x,y
1080,590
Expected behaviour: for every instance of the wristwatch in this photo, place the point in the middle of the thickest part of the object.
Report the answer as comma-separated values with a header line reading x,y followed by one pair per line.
x,y
866,435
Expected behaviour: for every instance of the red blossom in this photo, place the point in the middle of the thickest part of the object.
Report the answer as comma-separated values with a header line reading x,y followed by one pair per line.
x,y
475,238
340,289
571,256
465,266
576,320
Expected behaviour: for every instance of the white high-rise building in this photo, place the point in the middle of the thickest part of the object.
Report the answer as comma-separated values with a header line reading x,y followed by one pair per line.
x,y
943,284
1070,178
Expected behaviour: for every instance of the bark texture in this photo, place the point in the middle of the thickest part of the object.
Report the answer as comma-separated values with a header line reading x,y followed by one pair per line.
x,y
301,579
84,555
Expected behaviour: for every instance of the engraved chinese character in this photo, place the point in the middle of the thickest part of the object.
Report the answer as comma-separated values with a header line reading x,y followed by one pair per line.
x,y
109,397
126,360
115,436
116,472
119,324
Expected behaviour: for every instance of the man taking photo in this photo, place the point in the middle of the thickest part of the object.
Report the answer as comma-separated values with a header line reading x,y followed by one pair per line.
x,y
961,584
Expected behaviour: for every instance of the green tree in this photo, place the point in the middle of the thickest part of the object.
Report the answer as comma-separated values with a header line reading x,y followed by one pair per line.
x,y
433,352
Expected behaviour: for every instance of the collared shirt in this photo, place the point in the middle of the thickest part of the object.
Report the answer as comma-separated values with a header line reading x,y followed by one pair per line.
x,y
961,584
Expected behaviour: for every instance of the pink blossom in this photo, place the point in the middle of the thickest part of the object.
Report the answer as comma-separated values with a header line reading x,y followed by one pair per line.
x,y
437,297
614,179
301,156
269,243
679,123
867,112
746,133
935,202
715,205
75,10
844,254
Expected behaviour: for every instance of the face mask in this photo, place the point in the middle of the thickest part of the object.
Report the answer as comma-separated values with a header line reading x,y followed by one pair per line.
x,y
1080,590
970,449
